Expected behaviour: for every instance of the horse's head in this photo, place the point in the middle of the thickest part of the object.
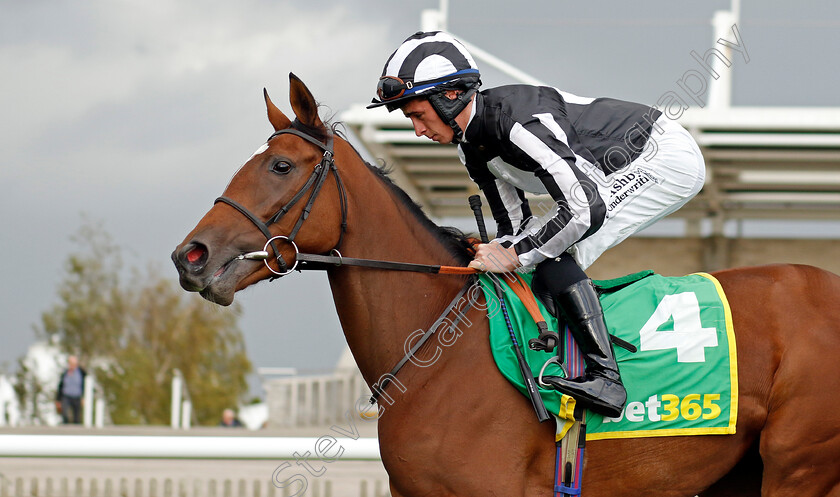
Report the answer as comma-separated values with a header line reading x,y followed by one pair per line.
x,y
267,199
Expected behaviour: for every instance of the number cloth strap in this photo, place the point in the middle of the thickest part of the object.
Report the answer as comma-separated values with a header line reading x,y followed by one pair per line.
x,y
568,470
683,379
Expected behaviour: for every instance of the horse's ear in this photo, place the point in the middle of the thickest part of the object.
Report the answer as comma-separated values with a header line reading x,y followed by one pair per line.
x,y
275,115
303,103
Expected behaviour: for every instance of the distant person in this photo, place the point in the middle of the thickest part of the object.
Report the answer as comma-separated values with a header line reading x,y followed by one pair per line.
x,y
229,419
71,388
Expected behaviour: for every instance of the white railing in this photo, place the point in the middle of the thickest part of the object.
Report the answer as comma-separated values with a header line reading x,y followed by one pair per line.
x,y
182,487
181,414
212,449
94,409
178,447
313,400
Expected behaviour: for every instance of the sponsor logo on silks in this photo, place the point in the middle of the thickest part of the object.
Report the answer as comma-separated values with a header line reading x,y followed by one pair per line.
x,y
628,184
667,408
653,176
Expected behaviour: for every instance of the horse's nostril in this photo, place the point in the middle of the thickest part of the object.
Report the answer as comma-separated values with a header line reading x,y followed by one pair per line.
x,y
194,255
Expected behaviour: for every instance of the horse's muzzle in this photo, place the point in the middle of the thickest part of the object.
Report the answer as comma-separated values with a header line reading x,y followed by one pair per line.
x,y
191,261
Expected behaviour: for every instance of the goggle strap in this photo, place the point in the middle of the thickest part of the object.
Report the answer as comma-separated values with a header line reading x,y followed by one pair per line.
x,y
409,85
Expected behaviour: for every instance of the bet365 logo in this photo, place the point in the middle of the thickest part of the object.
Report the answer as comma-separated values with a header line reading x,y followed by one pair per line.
x,y
669,407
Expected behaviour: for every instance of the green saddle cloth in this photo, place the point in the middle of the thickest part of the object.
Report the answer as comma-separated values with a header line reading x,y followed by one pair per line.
x,y
681,381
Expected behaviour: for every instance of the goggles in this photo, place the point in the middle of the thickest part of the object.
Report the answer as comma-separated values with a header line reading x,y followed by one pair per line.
x,y
392,87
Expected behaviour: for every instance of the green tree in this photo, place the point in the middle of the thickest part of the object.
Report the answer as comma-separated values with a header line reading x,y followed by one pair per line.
x,y
133,336
32,395
90,314
169,329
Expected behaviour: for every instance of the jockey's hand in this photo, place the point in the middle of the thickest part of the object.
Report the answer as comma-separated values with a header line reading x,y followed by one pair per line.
x,y
494,258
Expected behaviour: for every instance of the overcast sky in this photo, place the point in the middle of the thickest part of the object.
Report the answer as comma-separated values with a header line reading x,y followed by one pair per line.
x,y
136,113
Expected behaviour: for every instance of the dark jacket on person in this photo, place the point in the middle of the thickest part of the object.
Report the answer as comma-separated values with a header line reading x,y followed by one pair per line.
x,y
58,393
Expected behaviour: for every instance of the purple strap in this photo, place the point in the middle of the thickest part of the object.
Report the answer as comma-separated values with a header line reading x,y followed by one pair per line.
x,y
575,367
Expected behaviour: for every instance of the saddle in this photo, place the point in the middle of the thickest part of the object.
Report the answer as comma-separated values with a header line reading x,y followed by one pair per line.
x,y
682,379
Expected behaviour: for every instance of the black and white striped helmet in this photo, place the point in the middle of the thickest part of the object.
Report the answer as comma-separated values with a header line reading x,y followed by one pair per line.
x,y
425,64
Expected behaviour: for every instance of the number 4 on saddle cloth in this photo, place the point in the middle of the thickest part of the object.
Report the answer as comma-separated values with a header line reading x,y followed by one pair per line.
x,y
681,381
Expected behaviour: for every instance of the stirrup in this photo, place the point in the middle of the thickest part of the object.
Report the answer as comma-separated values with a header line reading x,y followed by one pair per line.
x,y
553,360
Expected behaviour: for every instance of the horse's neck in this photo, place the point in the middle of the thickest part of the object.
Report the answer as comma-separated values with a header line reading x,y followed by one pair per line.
x,y
379,309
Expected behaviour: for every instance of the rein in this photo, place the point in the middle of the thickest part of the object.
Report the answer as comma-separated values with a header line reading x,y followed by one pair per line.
x,y
318,261
377,389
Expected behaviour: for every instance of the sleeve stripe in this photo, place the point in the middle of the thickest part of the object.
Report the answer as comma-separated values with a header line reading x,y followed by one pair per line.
x,y
594,199
512,203
557,234
508,203
500,213
548,121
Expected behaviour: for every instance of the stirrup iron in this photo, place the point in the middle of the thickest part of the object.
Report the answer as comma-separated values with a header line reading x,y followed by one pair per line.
x,y
553,360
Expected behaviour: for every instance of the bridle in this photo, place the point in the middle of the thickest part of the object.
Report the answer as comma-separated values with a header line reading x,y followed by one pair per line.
x,y
315,183
304,261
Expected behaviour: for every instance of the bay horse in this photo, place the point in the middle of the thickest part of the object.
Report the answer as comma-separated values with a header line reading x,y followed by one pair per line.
x,y
457,428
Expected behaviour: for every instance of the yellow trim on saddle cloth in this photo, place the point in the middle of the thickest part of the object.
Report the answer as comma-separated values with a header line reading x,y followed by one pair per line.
x,y
627,308
733,353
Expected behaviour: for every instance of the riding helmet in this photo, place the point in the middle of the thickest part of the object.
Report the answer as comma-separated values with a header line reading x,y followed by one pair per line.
x,y
426,65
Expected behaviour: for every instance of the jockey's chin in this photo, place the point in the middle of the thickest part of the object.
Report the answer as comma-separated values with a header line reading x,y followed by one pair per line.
x,y
442,138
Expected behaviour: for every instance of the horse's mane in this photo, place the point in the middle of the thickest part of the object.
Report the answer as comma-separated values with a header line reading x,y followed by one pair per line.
x,y
455,241
452,238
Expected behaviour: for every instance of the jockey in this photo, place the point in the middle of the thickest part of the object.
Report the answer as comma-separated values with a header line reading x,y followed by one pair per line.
x,y
612,168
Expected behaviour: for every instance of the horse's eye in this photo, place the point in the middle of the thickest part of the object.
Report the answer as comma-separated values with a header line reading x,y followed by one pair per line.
x,y
280,167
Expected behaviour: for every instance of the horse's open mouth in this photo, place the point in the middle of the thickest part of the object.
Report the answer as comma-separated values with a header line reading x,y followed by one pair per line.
x,y
221,286
222,270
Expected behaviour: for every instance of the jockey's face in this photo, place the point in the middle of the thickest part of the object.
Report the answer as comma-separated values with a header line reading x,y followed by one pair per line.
x,y
426,122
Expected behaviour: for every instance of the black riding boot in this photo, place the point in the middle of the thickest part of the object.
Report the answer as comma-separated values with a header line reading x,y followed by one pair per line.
x,y
600,388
